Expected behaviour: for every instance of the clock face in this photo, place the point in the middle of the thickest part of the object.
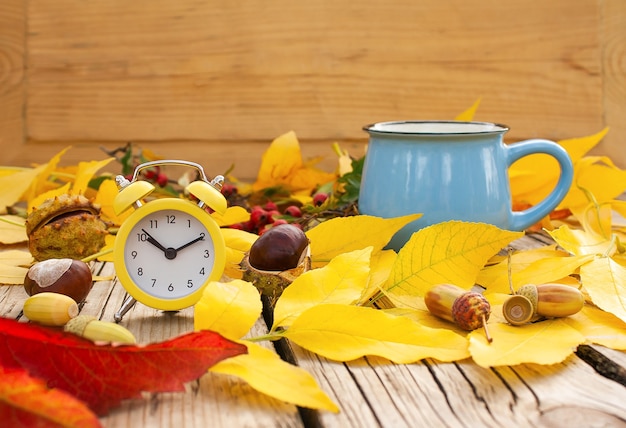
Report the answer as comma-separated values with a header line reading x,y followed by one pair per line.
x,y
169,253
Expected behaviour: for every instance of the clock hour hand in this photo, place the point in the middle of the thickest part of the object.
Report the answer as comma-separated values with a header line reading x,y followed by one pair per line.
x,y
170,253
199,238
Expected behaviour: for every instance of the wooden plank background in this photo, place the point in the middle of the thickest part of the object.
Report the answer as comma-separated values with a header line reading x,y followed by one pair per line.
x,y
215,82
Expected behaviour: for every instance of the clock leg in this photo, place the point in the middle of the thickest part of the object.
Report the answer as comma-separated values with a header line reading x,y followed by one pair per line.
x,y
129,302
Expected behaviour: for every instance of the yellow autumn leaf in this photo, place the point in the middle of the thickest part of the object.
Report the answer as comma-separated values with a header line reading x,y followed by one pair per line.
x,y
85,173
264,371
423,317
578,242
547,269
282,165
381,264
16,258
238,242
279,162
238,239
605,282
578,147
14,185
309,178
598,176
599,327
229,308
343,234
345,333
45,180
494,276
39,199
468,115
596,220
533,177
106,253
450,252
344,162
340,281
235,214
105,197
546,342
12,229
12,275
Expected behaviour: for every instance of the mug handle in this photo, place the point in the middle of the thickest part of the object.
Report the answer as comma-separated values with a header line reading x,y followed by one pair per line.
x,y
521,220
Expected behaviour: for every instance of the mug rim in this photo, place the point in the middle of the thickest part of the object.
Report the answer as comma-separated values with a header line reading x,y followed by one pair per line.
x,y
489,127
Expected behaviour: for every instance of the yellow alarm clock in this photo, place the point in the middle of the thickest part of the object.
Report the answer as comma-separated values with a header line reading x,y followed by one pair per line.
x,y
169,249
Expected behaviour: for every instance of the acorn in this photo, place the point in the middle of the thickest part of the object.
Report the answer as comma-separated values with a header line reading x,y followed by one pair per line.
x,y
276,259
467,309
51,309
545,300
99,331
65,276
67,226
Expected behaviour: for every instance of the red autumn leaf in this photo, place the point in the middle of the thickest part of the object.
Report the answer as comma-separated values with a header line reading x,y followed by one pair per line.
x,y
104,375
26,401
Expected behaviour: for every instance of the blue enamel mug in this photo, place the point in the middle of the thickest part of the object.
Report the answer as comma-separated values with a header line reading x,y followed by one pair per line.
x,y
450,170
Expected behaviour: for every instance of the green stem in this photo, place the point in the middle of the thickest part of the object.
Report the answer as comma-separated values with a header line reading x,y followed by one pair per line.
x,y
14,223
270,336
613,244
96,255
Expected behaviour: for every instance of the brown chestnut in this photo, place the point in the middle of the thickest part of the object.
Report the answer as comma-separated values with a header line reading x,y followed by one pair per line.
x,y
65,276
280,248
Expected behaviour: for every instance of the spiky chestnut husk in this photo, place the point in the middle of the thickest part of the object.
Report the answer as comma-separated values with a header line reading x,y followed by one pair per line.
x,y
67,226
276,259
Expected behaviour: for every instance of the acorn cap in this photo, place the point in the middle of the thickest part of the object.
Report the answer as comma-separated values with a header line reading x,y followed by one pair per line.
x,y
530,292
518,309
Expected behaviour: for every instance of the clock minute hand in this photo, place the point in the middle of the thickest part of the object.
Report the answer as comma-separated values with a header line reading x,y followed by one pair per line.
x,y
200,238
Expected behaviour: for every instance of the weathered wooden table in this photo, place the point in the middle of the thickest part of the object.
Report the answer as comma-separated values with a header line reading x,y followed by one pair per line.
x,y
587,390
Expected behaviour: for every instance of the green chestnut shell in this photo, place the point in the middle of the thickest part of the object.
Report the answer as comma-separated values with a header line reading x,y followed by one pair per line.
x,y
67,226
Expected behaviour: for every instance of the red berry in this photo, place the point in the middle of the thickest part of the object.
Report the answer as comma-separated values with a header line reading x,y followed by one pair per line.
x,y
259,217
319,199
273,215
270,206
161,179
279,221
229,189
293,211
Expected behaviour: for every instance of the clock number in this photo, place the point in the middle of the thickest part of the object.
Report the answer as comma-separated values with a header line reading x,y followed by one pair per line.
x,y
154,224
189,223
142,237
171,219
189,284
153,282
201,271
170,287
206,254
133,254
140,271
